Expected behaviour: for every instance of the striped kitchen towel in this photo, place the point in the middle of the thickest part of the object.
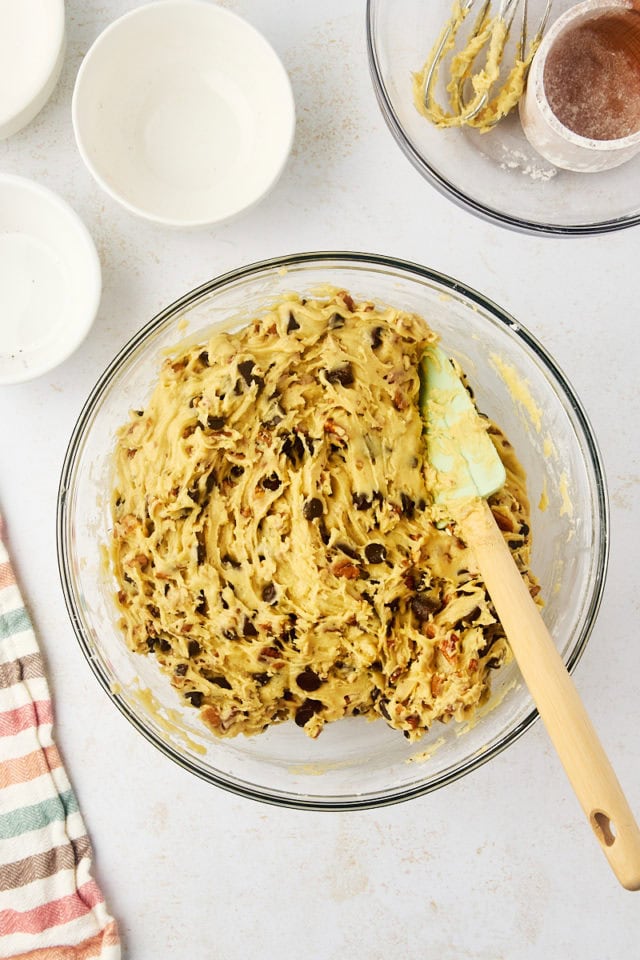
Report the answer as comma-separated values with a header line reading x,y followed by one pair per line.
x,y
50,906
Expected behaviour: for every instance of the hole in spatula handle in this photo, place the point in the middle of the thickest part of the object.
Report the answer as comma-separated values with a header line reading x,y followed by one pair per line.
x,y
603,828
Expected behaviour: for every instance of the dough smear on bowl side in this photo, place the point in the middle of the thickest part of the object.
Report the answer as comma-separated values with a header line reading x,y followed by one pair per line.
x,y
274,539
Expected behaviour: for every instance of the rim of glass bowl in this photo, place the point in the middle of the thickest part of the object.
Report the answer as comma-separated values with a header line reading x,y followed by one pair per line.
x,y
355,260
463,200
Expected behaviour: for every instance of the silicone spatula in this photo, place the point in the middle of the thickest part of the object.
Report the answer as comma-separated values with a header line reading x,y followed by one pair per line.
x,y
468,470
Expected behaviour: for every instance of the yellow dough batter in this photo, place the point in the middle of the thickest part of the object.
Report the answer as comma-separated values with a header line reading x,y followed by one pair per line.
x,y
273,541
490,36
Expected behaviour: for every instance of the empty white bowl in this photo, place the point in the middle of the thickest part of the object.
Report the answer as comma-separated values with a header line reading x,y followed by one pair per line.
x,y
31,57
50,280
183,113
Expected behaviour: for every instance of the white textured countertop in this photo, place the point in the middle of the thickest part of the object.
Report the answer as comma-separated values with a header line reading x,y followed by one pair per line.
x,y
499,866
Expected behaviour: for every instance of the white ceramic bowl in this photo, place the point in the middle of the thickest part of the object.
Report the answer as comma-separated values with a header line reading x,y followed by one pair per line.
x,y
50,280
31,57
543,130
183,113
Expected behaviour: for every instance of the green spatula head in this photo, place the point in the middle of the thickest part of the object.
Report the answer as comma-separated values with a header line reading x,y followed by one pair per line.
x,y
458,445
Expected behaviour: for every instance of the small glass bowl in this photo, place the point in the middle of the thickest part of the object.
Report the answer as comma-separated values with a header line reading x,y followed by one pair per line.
x,y
354,763
497,175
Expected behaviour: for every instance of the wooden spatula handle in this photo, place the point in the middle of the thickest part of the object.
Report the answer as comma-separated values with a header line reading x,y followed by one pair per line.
x,y
572,733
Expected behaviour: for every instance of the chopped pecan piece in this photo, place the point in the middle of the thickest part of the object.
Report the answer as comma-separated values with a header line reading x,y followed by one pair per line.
x,y
449,646
334,429
400,400
269,653
504,521
347,300
344,567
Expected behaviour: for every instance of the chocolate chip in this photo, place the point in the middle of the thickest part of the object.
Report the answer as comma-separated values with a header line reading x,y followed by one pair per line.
x,y
514,544
292,324
524,529
312,508
269,593
202,607
308,680
408,505
181,670
383,709
272,482
164,645
350,552
220,682
201,551
248,629
230,561
305,712
336,321
375,552
361,501
293,448
212,480
424,605
204,358
262,678
230,634
376,338
194,697
193,648
236,470
272,421
215,423
343,375
244,369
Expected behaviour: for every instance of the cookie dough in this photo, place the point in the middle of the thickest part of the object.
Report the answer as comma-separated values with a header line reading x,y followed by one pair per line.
x,y
273,539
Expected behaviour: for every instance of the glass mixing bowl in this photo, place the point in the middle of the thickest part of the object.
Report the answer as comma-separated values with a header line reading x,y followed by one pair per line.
x,y
496,175
354,763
